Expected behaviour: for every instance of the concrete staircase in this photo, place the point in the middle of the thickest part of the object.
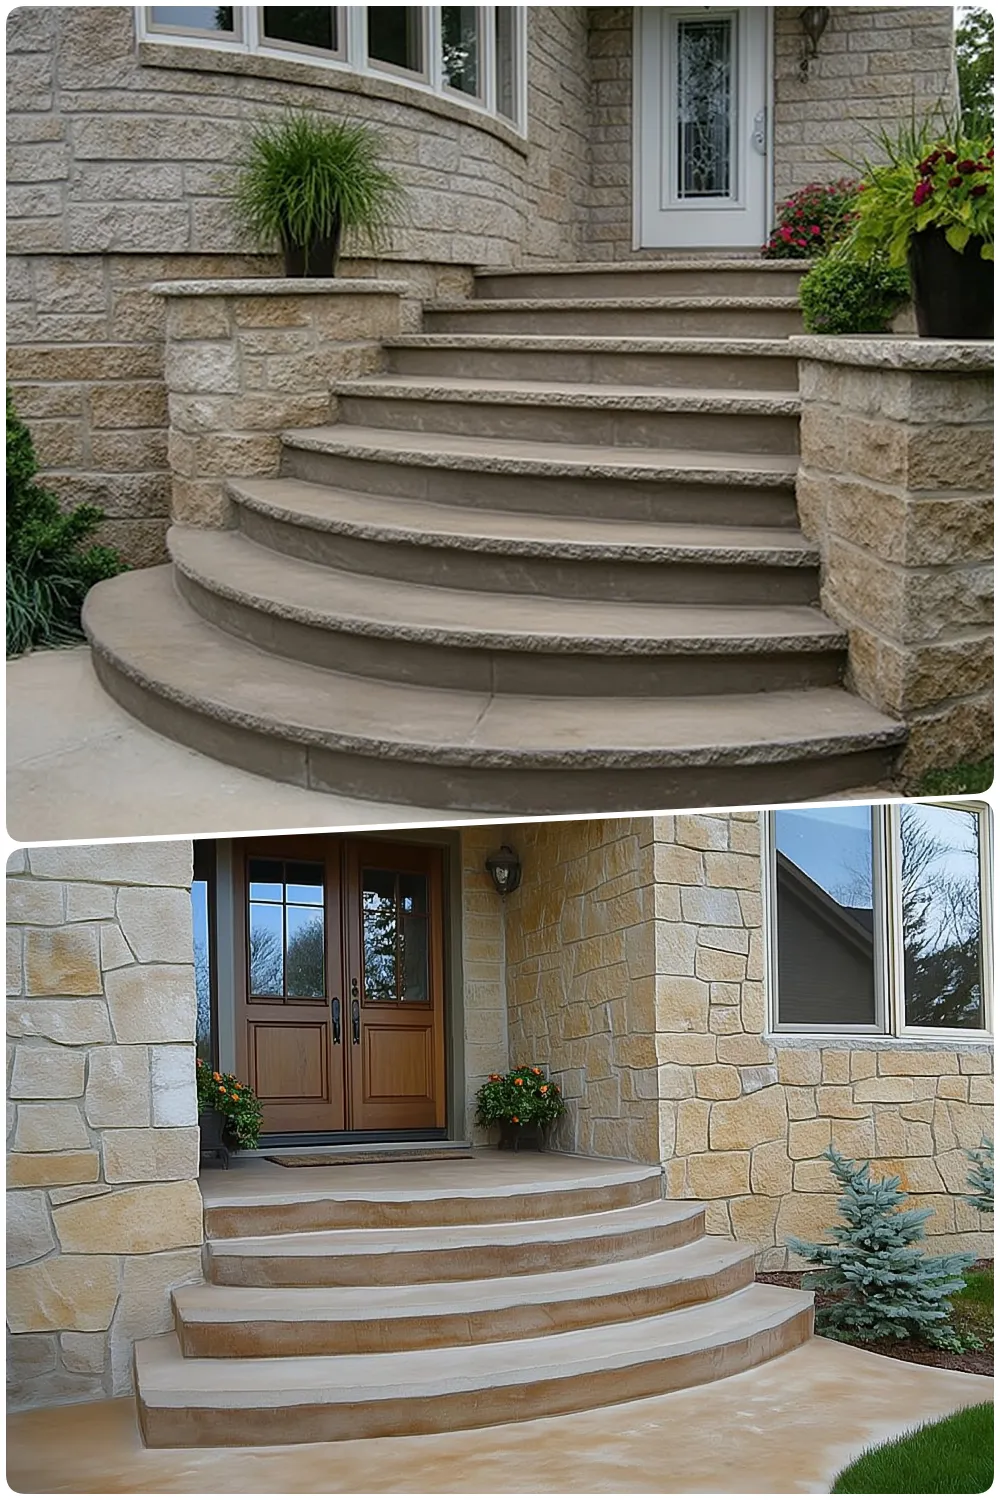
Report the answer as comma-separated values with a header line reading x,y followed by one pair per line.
x,y
373,1313
547,561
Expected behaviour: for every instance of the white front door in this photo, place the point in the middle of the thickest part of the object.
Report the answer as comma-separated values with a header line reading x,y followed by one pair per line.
x,y
702,127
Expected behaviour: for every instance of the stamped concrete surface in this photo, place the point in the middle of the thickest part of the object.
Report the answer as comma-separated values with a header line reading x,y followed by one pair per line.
x,y
789,1427
80,767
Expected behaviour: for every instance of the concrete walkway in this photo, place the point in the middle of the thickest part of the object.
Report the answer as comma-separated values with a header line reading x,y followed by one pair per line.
x,y
784,1428
80,767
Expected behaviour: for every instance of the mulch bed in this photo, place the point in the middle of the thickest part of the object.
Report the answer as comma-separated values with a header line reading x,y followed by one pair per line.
x,y
972,1362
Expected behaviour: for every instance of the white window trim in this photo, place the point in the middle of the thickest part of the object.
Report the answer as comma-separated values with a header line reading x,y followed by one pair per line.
x,y
890,1024
352,56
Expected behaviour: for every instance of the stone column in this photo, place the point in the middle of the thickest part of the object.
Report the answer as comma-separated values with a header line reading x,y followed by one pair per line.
x,y
895,485
247,358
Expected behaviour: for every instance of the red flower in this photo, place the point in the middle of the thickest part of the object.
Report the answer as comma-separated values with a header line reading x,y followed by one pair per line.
x,y
967,166
954,182
950,157
978,191
922,192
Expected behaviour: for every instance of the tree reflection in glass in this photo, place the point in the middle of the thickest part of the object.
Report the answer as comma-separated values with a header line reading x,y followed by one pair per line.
x,y
942,928
394,936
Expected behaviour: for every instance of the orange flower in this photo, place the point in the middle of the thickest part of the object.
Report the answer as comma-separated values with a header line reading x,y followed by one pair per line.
x,y
222,1090
544,1089
514,1120
537,1072
217,1077
236,1097
494,1078
518,1080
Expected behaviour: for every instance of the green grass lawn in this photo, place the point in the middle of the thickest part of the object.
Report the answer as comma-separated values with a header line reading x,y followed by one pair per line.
x,y
975,776
951,1457
972,1307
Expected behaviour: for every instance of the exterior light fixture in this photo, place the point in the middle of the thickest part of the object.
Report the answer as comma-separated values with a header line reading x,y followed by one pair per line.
x,y
814,21
504,869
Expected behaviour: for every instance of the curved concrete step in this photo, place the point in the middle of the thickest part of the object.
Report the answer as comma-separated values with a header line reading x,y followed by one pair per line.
x,y
717,488
573,412
468,751
720,364
580,557
460,1252
192,1403
498,643
479,1194
738,317
227,1322
675,276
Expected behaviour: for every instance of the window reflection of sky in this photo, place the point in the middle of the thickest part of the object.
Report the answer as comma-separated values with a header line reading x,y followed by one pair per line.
x,y
833,846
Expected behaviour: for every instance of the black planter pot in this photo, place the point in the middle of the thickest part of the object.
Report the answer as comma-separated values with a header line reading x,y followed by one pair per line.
x,y
518,1137
212,1125
318,258
952,290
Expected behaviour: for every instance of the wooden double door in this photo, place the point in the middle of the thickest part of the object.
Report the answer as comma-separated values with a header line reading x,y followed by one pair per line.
x,y
339,983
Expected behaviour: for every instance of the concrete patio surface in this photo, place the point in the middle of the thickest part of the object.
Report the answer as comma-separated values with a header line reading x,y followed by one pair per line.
x,y
787,1427
80,767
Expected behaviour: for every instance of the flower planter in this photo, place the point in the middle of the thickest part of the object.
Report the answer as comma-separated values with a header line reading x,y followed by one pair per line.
x,y
514,1137
952,290
212,1125
319,258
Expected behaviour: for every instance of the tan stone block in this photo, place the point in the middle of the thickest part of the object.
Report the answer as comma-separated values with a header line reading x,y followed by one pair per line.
x,y
52,1168
883,1090
199,317
154,1155
675,865
84,1352
951,1087
73,1292
35,902
675,1179
50,1127
920,1109
156,923
799,1065
728,939
29,1230
717,1219
771,1169
745,1050
717,1082
801,1103
917,1174
118,1087
719,1174
807,1216
975,1062
145,1307
89,903
836,1067
720,993
681,1005
812,1177
837,1100
713,963
15,967
692,1127
133,1220
753,1007
686,1047
863,1064
981,1091
750,1121
152,1003
734,871
62,961
675,1082
895,1136
725,1020
913,1061
702,831
73,1022
115,952
808,1138
675,944
753,1219
46,1073
744,837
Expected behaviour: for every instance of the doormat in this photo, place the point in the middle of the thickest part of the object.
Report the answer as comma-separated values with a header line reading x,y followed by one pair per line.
x,y
362,1158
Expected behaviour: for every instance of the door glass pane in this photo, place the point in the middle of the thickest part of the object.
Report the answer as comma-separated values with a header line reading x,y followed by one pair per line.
x,y
705,102
396,36
194,17
413,959
826,917
266,950
202,970
304,953
942,924
506,31
413,893
378,924
266,879
306,25
460,47
305,884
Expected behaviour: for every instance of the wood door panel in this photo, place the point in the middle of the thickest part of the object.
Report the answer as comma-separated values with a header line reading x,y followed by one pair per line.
x,y
398,1063
290,1062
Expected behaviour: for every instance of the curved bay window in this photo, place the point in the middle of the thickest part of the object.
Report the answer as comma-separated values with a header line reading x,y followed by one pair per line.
x,y
472,53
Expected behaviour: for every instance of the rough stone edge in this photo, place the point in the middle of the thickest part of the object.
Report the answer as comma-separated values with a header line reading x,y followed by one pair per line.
x,y
280,286
895,352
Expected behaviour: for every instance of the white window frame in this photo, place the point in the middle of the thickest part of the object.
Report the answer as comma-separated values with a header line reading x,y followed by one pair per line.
x,y
352,54
890,998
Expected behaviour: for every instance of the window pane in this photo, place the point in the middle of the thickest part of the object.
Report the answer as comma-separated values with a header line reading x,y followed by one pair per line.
x,y
704,108
396,36
460,47
942,929
304,884
413,893
506,50
413,959
306,25
266,950
304,953
202,969
826,917
195,17
266,879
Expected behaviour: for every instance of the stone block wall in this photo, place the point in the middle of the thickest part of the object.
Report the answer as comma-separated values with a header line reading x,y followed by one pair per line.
x,y
579,942
895,485
104,1215
746,1115
484,1005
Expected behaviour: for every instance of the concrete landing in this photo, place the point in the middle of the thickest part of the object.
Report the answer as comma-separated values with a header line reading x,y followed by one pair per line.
x,y
789,1427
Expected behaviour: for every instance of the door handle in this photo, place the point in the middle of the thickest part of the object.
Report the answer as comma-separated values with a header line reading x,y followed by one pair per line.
x,y
355,1013
335,1007
758,136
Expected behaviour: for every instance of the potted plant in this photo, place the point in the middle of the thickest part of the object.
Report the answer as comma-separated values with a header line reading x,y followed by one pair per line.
x,y
523,1103
812,220
929,206
229,1112
305,180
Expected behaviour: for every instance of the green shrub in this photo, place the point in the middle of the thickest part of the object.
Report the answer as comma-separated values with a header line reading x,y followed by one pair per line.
x,y
48,569
812,221
841,295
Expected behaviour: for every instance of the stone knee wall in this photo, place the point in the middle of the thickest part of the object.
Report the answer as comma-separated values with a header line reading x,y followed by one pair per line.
x,y
484,1002
579,971
745,1116
103,1209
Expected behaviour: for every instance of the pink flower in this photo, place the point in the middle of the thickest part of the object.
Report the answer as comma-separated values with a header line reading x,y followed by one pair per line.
x,y
922,192
815,229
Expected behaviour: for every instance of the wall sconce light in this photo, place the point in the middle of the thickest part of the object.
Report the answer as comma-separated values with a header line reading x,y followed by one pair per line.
x,y
814,21
504,869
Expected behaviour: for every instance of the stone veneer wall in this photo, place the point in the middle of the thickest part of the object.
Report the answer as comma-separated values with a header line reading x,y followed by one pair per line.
x,y
579,975
746,1115
104,1215
875,66
484,1007
118,163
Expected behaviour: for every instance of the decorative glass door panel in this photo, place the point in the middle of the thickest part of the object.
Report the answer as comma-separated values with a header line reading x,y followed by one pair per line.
x,y
702,123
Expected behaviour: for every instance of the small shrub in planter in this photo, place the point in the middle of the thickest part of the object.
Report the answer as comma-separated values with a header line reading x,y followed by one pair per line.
x,y
522,1102
49,570
238,1105
812,221
843,295
306,179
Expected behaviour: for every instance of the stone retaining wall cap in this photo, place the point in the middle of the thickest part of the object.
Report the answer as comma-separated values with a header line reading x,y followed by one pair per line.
x,y
895,351
279,286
